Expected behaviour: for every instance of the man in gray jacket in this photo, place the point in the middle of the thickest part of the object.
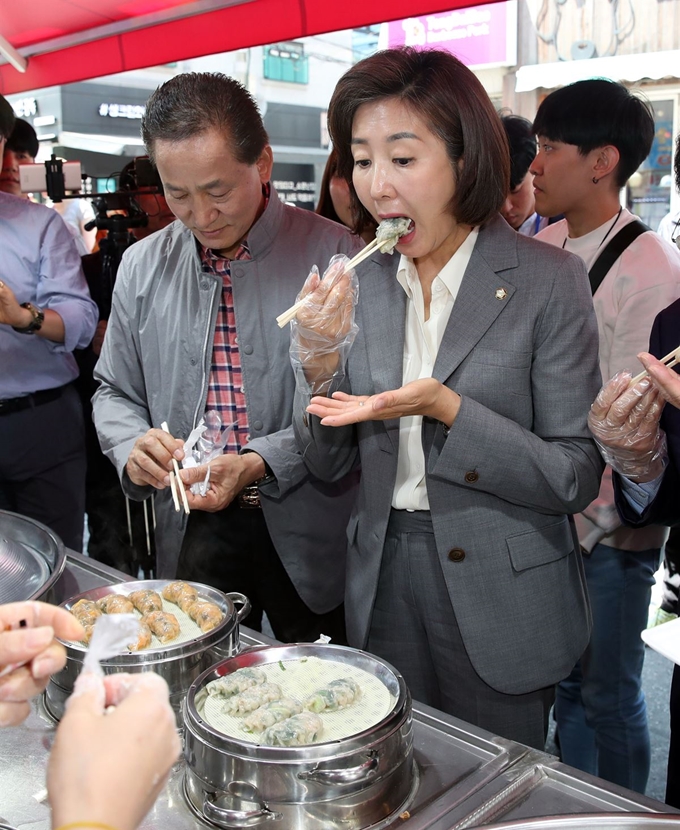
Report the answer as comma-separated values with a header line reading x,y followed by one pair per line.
x,y
193,329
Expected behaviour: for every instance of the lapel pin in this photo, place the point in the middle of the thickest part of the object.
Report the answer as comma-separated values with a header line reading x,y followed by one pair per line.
x,y
501,293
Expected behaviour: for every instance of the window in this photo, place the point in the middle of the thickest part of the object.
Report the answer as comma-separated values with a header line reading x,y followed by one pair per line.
x,y
286,62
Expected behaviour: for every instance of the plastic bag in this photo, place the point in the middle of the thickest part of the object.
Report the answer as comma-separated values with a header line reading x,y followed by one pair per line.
x,y
323,332
205,442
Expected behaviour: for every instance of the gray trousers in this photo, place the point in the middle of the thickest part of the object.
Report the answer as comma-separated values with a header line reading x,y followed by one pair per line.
x,y
414,628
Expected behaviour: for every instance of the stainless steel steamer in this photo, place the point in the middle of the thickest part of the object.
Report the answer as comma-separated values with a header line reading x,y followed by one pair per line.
x,y
32,558
356,782
178,664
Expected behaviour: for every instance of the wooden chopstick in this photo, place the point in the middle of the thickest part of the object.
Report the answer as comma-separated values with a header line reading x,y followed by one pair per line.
x,y
671,359
176,481
285,318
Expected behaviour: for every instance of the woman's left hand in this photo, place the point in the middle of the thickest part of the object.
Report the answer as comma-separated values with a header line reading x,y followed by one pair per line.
x,y
425,396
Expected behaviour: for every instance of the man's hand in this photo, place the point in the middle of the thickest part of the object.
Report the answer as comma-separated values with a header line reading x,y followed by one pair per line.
x,y
150,461
11,313
229,474
426,396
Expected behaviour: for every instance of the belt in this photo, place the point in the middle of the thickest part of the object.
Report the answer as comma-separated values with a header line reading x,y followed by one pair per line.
x,y
249,498
10,405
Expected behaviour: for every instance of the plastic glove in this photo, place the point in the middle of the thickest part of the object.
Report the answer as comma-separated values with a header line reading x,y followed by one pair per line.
x,y
108,765
30,654
324,329
625,424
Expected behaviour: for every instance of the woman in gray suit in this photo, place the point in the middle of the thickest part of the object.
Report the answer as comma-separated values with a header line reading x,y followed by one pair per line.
x,y
464,400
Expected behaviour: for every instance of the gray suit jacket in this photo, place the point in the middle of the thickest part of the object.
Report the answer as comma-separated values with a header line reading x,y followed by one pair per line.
x,y
155,366
521,348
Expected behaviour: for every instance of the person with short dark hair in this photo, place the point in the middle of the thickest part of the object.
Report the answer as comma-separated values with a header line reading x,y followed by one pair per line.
x,y
593,135
464,403
193,329
334,201
45,313
518,208
21,148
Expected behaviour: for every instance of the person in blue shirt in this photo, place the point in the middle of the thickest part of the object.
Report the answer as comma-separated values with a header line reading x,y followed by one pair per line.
x,y
45,313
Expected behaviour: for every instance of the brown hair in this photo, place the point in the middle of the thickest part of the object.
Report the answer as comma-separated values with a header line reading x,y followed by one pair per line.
x,y
442,91
325,205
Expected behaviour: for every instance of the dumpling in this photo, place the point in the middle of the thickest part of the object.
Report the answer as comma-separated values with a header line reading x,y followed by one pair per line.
x,y
251,699
235,682
299,730
165,626
116,604
206,615
174,591
143,638
271,713
86,612
335,695
146,601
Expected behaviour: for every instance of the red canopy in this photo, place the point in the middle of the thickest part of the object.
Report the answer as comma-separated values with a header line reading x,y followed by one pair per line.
x,y
71,40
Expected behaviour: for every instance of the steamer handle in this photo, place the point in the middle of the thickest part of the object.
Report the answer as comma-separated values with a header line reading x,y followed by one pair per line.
x,y
236,818
364,772
242,600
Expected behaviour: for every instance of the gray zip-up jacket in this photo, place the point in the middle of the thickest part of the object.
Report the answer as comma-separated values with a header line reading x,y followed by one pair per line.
x,y
155,366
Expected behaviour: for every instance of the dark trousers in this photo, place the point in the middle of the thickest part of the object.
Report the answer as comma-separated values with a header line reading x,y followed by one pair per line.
x,y
232,551
42,465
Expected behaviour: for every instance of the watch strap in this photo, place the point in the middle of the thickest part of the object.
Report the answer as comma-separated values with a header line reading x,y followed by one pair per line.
x,y
36,322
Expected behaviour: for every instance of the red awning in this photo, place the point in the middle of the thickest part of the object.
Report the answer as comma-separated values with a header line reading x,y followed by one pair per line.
x,y
65,40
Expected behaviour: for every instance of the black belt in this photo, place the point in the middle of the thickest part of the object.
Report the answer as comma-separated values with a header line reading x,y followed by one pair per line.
x,y
10,405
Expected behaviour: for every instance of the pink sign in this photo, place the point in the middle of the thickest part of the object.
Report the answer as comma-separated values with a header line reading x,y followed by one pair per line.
x,y
478,36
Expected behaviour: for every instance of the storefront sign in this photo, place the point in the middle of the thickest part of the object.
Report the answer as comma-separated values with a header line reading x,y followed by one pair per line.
x,y
25,107
295,184
479,36
121,111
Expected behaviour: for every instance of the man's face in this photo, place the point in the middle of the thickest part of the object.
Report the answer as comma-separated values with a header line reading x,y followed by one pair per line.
x,y
562,177
9,177
519,204
216,196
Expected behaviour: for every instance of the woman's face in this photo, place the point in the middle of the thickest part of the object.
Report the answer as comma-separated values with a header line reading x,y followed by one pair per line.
x,y
339,191
402,169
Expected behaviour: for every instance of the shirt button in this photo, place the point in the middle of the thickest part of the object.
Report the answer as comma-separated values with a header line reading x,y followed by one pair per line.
x,y
193,361
258,425
456,554
236,342
205,285
248,437
248,349
471,476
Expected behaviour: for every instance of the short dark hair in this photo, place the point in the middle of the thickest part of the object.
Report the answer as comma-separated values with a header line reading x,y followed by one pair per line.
x,y
442,91
522,143
7,118
23,139
676,163
597,112
189,104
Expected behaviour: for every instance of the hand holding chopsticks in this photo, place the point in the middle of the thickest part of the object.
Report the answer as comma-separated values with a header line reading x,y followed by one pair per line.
x,y
671,359
176,481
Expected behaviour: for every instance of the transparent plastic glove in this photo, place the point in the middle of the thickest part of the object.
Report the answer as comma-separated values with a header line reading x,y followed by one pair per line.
x,y
324,330
206,442
111,635
113,750
625,424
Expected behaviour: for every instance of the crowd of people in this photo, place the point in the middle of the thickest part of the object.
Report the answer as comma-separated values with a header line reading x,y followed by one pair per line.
x,y
424,464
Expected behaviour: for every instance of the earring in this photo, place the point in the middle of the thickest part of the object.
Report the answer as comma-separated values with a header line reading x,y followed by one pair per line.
x,y
595,181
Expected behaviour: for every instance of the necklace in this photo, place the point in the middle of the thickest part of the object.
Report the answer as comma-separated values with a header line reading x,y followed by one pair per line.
x,y
604,238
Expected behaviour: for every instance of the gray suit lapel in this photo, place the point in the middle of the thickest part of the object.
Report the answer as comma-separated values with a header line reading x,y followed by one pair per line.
x,y
384,301
482,296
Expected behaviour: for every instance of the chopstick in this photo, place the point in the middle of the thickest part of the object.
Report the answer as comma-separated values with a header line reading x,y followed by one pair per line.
x,y
285,318
176,481
671,359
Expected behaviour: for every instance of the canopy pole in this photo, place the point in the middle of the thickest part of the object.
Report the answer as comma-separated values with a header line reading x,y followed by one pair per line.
x,y
12,56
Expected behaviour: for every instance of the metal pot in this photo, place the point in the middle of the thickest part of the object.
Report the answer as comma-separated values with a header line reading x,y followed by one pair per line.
x,y
178,664
611,821
358,781
32,558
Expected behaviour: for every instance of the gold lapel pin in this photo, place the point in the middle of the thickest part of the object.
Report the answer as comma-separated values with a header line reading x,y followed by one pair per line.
x,y
501,293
